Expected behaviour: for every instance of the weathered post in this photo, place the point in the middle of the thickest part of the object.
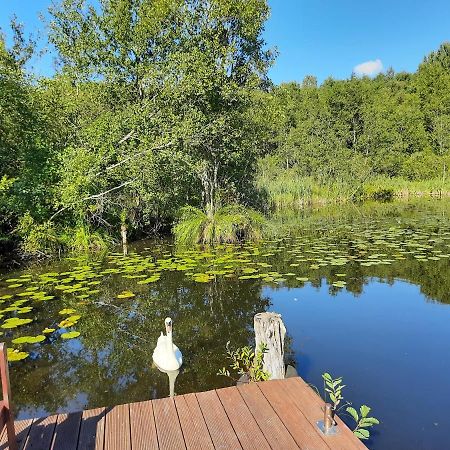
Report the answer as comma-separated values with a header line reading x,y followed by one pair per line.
x,y
123,231
270,330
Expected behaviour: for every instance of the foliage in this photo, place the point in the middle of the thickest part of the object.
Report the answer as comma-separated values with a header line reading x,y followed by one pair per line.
x,y
158,105
245,361
362,421
333,389
229,224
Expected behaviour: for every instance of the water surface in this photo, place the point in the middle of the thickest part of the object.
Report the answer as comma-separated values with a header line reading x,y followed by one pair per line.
x,y
364,292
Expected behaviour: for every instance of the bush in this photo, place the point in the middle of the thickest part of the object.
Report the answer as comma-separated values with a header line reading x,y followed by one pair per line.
x,y
425,165
229,224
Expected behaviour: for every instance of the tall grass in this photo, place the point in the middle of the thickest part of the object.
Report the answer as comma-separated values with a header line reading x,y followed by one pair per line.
x,y
288,190
229,224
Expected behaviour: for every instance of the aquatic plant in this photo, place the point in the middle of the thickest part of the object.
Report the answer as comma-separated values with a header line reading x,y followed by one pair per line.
x,y
247,363
229,224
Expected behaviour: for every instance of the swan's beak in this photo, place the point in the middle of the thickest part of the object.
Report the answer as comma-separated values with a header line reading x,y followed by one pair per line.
x,y
168,323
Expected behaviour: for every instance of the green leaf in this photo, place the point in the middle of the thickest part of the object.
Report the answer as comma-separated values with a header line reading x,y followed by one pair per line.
x,y
364,410
70,335
369,422
326,376
361,433
353,413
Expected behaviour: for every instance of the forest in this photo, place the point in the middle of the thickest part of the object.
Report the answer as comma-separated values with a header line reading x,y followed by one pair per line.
x,y
161,116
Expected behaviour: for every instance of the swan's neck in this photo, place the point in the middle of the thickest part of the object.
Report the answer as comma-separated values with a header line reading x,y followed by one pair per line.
x,y
169,338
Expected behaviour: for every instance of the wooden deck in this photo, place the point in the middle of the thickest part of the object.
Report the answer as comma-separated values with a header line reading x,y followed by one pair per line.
x,y
278,414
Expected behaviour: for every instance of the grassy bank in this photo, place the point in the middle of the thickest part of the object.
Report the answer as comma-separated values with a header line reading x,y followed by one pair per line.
x,y
289,191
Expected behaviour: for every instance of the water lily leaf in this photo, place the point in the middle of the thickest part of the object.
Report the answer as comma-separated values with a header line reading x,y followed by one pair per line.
x,y
70,335
16,355
15,322
126,294
29,339
48,330
67,311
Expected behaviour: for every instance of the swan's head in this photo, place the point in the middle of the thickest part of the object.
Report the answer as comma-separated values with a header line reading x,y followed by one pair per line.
x,y
168,323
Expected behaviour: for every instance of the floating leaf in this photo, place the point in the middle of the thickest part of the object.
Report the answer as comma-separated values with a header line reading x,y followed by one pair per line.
x,y
70,335
16,355
29,339
67,311
15,322
48,330
126,294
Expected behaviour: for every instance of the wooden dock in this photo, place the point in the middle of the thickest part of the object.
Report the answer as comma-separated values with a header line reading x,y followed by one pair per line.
x,y
279,414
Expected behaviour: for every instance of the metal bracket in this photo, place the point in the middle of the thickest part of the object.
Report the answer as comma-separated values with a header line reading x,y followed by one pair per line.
x,y
332,431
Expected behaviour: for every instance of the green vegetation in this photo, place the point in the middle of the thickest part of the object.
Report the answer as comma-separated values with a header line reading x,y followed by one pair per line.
x,y
159,105
333,390
229,224
358,138
246,362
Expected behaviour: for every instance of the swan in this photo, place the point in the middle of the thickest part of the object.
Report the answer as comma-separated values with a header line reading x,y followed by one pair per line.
x,y
167,355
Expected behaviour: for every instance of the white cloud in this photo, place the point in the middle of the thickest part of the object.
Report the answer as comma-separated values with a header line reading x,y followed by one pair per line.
x,y
369,68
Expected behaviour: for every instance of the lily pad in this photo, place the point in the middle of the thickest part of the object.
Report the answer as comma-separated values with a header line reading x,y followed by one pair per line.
x,y
70,335
126,294
29,339
16,355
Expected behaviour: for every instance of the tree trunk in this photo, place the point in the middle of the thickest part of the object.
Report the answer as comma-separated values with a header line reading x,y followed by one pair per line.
x,y
270,330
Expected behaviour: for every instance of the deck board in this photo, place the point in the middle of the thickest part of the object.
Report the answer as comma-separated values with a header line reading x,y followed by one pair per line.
x,y
92,430
143,428
309,402
66,432
304,433
258,416
41,434
195,431
117,428
168,428
245,426
219,426
273,428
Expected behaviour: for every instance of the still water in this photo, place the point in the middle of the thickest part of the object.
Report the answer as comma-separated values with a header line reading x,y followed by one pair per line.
x,y
364,293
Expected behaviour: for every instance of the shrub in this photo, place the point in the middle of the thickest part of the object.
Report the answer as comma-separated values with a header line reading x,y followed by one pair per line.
x,y
229,224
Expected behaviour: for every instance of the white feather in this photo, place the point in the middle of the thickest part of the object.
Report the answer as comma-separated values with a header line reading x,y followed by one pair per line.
x,y
167,356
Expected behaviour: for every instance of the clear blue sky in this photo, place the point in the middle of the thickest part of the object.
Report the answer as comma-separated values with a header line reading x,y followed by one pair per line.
x,y
322,37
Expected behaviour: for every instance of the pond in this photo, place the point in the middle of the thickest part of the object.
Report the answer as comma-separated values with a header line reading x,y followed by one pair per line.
x,y
364,292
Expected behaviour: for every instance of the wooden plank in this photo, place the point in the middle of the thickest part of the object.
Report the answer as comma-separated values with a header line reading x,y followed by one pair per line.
x,y
275,432
168,426
66,432
311,406
195,431
22,429
247,430
92,430
219,426
41,434
306,434
117,428
143,428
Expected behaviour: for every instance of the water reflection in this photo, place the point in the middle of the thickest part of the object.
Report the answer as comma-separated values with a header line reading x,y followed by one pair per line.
x,y
172,377
383,331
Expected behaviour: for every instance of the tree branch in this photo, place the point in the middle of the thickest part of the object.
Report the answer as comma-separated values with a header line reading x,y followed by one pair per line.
x,y
91,197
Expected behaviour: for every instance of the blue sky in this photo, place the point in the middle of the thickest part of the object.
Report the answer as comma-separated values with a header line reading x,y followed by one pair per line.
x,y
322,37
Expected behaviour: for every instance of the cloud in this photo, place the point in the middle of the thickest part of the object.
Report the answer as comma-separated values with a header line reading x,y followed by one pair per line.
x,y
369,68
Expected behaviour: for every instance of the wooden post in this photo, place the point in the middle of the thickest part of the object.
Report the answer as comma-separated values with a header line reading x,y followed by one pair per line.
x,y
6,413
270,330
123,231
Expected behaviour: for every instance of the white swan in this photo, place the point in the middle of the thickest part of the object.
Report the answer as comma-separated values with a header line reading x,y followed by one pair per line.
x,y
167,355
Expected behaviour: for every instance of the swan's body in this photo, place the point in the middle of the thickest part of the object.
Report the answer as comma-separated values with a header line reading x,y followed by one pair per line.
x,y
167,356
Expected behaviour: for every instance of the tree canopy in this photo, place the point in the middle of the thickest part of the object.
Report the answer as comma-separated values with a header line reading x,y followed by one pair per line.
x,y
160,104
